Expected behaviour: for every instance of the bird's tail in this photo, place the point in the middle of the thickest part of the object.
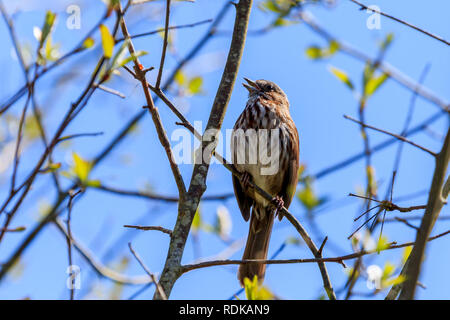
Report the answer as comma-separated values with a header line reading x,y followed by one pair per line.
x,y
261,223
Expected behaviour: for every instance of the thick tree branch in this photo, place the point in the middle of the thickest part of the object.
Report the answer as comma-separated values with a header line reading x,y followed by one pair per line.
x,y
436,200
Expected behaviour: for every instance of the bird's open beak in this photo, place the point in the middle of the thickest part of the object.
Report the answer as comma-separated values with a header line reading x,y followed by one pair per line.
x,y
251,86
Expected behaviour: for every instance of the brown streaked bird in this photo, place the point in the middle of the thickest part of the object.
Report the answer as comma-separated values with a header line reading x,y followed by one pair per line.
x,y
267,108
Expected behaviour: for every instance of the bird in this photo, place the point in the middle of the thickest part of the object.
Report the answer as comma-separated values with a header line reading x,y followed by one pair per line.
x,y
264,130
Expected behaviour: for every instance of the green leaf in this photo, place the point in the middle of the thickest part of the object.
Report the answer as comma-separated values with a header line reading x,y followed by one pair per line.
x,y
133,57
388,270
280,22
88,43
314,52
386,43
196,222
308,198
180,78
254,291
333,47
107,41
81,167
406,253
119,56
342,76
50,18
395,281
269,5
374,83
382,244
52,167
93,183
195,85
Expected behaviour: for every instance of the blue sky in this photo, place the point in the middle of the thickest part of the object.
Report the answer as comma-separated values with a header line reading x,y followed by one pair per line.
x,y
318,102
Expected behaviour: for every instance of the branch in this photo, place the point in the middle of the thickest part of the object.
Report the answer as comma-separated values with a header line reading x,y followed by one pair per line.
x,y
402,22
190,25
101,269
340,259
146,228
231,168
435,203
386,68
162,135
189,204
152,276
393,135
111,145
164,49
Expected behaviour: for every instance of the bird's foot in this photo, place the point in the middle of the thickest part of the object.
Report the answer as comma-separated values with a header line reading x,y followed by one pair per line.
x,y
245,180
278,202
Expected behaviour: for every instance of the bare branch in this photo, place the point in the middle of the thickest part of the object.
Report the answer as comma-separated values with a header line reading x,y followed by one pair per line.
x,y
162,135
190,25
97,265
392,134
111,145
152,276
363,6
146,228
164,49
190,267
434,206
189,204
386,68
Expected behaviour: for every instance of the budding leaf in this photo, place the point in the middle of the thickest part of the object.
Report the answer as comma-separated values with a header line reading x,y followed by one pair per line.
x,y
50,18
81,167
132,57
195,85
107,41
88,43
374,83
255,291
342,76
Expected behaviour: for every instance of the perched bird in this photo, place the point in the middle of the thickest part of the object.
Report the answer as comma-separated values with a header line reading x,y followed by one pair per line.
x,y
268,132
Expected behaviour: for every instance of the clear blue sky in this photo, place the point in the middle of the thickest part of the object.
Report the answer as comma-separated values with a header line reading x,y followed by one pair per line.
x,y
318,103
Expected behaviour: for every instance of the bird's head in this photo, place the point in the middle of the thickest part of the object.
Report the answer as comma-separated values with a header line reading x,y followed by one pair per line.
x,y
266,89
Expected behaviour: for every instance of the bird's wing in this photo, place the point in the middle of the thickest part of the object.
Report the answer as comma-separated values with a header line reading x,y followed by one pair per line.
x,y
291,176
243,200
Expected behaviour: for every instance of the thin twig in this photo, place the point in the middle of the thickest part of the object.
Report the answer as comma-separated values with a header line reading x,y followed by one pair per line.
x,y
152,276
190,267
153,196
164,49
363,6
111,145
386,68
392,134
146,228
190,25
98,267
162,135
72,195
382,145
